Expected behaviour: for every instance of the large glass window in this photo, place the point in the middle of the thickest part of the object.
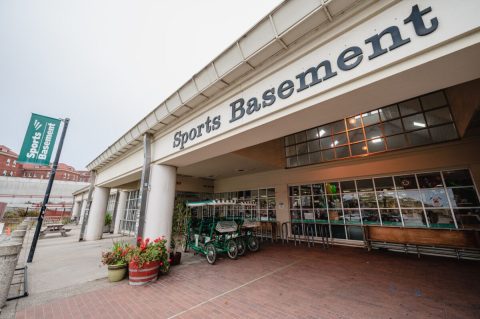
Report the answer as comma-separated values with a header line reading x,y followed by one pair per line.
x,y
419,121
446,199
265,198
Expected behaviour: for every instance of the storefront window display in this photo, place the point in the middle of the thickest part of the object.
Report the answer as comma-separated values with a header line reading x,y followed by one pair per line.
x,y
446,199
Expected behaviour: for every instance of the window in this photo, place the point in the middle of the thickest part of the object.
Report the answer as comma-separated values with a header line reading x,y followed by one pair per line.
x,y
264,198
416,122
8,162
442,199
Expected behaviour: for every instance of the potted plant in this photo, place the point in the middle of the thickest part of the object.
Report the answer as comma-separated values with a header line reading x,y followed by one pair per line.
x,y
178,232
107,223
116,260
146,260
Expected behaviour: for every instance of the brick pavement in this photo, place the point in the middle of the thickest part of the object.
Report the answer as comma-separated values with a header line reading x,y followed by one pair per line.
x,y
290,282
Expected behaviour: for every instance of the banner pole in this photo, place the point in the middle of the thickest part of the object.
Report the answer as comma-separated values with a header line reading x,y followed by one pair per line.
x,y
47,192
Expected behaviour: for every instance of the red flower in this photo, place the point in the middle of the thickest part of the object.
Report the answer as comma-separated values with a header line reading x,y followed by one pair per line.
x,y
169,261
139,239
157,240
147,241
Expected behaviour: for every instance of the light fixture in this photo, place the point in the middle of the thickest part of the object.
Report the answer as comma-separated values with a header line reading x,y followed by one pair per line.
x,y
334,143
377,140
352,121
419,124
322,132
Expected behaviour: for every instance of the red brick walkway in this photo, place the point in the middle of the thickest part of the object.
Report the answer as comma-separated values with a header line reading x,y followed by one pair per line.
x,y
290,282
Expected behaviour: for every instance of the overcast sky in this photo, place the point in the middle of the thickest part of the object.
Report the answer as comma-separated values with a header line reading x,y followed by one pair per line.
x,y
106,64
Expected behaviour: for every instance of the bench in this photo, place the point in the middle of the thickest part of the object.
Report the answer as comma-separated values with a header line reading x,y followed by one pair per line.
x,y
423,240
54,228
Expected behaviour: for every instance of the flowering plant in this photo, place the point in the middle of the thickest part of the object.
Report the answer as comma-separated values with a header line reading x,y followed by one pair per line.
x,y
118,255
148,251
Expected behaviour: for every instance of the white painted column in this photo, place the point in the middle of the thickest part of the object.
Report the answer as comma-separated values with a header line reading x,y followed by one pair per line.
x,y
76,209
83,205
160,201
122,204
96,217
282,209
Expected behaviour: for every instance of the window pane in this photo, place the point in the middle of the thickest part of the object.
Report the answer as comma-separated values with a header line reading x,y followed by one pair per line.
x,y
321,215
430,180
295,215
326,142
365,185
440,218
439,116
468,218
409,198
354,122
352,216
389,112
350,200
319,202
294,191
318,189
290,151
342,152
434,198
367,200
396,141
370,118
300,137
387,199
308,216
348,186
292,161
393,127
413,218
370,217
405,182
410,107
315,157
333,201
312,134
384,183
340,139
418,138
457,178
463,197
305,190
376,145
289,140
443,133
314,146
328,155
332,188
356,135
373,131
414,122
303,160
302,149
391,217
294,202
271,192
433,100
358,149
336,216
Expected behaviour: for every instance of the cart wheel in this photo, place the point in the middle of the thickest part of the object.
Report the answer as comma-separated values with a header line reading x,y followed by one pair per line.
x,y
210,253
232,249
241,246
253,243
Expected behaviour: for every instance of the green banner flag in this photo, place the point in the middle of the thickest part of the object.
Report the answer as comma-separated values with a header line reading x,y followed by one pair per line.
x,y
39,141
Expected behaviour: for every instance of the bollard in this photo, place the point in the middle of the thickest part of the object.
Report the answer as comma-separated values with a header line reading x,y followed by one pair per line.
x,y
9,252
18,236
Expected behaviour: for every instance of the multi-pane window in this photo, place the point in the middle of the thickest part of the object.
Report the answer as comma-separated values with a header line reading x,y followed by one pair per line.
x,y
263,197
446,199
419,121
129,220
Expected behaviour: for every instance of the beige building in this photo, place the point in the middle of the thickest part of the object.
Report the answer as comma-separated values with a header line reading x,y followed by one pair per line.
x,y
335,117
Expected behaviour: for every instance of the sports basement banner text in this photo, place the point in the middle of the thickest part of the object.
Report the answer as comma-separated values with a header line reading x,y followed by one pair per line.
x,y
422,21
39,140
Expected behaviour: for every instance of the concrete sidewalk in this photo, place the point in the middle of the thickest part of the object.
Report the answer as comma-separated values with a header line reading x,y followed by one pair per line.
x,y
62,266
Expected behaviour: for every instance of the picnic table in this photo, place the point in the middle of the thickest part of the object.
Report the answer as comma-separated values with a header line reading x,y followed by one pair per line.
x,y
54,228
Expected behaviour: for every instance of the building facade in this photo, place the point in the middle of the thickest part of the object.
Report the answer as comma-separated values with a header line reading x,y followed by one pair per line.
x,y
334,117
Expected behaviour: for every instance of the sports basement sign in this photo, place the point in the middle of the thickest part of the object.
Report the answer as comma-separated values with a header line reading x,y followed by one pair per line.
x,y
420,22
39,141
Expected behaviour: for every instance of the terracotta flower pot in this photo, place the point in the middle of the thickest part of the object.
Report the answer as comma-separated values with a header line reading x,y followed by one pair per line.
x,y
116,272
144,275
